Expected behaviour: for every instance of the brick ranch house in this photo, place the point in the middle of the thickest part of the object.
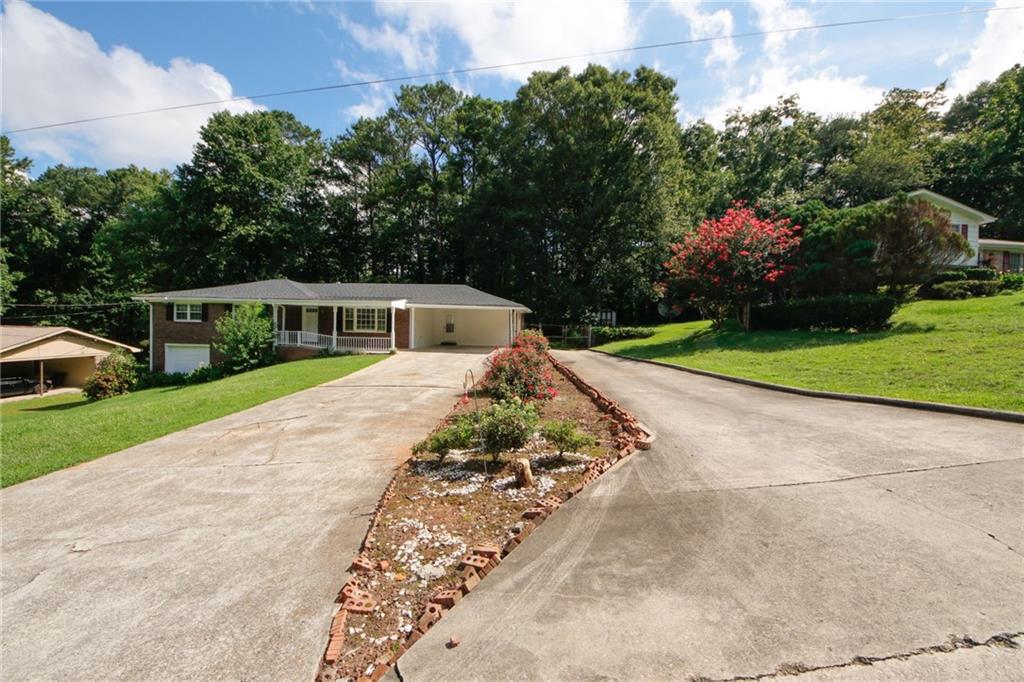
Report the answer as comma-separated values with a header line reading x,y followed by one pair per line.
x,y
308,318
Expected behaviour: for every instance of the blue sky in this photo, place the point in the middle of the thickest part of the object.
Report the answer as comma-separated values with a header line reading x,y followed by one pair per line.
x,y
66,60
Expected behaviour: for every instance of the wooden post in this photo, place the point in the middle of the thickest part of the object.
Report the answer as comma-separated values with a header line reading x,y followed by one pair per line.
x,y
42,383
392,326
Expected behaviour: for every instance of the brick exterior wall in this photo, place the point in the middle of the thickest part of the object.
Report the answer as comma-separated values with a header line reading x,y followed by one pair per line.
x,y
289,353
168,331
402,328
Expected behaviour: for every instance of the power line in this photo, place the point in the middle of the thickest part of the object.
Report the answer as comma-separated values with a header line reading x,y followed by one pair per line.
x,y
526,62
7,318
69,305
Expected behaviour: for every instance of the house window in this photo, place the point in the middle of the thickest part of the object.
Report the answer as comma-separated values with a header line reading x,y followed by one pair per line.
x,y
963,231
449,324
366,320
188,312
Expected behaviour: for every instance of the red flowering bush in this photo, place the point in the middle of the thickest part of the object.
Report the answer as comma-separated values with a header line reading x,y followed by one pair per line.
x,y
522,371
729,262
532,340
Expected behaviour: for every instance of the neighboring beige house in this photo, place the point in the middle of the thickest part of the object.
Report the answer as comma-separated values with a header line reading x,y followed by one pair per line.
x,y
339,316
62,355
966,220
1001,254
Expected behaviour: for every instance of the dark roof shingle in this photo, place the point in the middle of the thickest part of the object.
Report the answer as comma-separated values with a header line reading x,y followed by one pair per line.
x,y
288,290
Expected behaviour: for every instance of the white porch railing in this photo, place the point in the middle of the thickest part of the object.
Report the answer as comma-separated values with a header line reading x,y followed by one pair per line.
x,y
364,344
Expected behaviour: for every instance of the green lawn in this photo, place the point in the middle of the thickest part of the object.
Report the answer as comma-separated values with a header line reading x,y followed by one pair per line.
x,y
46,434
961,352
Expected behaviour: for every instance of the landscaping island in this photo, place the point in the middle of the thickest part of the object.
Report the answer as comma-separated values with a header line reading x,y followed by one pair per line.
x,y
967,352
447,518
45,434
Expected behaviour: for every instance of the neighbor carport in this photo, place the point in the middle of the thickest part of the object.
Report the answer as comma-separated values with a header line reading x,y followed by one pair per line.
x,y
62,355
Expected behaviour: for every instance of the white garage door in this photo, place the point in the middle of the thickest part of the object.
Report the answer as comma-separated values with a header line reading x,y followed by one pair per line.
x,y
179,357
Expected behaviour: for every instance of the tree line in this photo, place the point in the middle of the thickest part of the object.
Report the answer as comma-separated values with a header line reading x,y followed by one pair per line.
x,y
565,197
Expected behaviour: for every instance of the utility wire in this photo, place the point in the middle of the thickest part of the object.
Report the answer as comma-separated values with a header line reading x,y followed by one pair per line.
x,y
69,305
7,318
526,62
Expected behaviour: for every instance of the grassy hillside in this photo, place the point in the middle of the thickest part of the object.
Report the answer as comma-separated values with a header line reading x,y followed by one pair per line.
x,y
46,434
962,352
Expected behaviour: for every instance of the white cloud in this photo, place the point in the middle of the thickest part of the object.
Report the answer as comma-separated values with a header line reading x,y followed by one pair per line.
x,y
710,24
785,70
54,72
775,15
996,49
376,98
499,32
825,92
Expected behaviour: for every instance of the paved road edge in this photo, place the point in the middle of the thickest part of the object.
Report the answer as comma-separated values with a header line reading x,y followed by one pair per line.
x,y
962,410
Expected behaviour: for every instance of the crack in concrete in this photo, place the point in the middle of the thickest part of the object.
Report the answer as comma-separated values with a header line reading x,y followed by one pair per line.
x,y
75,549
855,477
1004,639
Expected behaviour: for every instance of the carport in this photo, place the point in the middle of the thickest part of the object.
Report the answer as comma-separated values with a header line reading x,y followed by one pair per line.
x,y
462,325
60,355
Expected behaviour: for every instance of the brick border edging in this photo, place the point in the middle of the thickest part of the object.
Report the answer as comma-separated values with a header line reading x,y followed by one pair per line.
x,y
631,435
961,410
634,434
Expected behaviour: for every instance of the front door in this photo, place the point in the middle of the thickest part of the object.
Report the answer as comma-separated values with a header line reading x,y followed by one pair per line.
x,y
310,325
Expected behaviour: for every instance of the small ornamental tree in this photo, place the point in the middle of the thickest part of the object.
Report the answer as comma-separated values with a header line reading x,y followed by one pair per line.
x,y
915,241
729,262
507,425
245,336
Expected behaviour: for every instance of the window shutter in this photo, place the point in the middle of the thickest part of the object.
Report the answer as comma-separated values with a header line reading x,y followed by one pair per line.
x,y
206,312
169,309
963,231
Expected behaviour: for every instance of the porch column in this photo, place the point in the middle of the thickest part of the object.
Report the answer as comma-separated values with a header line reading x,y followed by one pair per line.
x,y
273,308
334,327
392,326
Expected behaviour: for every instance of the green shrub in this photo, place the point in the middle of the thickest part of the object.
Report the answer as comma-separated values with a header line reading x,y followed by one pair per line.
x,y
981,274
564,435
1011,281
114,375
960,290
948,276
863,312
507,425
458,435
606,334
245,336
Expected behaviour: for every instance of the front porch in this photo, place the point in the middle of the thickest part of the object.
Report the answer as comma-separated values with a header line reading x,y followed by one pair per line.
x,y
358,328
355,344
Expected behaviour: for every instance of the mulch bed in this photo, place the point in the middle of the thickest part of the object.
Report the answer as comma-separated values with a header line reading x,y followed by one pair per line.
x,y
432,515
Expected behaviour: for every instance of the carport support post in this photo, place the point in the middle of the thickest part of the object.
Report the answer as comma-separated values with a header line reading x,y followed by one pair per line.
x,y
42,384
392,326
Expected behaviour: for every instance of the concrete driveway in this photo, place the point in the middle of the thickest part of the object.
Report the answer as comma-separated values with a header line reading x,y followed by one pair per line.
x,y
763,533
214,553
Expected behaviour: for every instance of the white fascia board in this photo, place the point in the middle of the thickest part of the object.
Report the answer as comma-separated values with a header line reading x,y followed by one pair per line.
x,y
273,301
954,205
469,307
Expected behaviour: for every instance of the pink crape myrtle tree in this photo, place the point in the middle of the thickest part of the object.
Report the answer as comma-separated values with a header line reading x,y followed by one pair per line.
x,y
730,262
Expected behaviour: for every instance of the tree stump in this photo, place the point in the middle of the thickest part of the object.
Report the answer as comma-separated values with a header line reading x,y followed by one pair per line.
x,y
524,475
